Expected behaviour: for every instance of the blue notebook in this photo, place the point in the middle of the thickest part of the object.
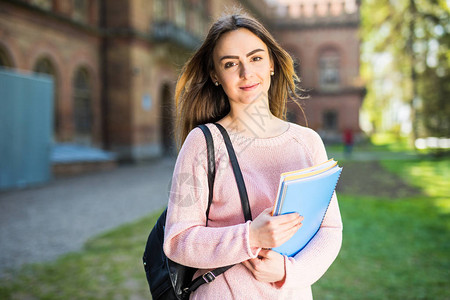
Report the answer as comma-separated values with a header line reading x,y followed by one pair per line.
x,y
308,192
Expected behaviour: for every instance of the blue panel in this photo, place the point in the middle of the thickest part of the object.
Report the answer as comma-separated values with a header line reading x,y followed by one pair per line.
x,y
26,112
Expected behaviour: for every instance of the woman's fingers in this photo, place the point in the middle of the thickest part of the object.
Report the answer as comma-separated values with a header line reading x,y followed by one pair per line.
x,y
247,264
284,235
267,231
287,218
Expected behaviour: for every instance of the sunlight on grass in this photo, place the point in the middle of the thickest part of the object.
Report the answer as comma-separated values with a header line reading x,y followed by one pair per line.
x,y
390,142
443,204
432,176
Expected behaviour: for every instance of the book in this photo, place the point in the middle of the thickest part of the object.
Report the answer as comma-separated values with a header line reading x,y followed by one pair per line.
x,y
308,192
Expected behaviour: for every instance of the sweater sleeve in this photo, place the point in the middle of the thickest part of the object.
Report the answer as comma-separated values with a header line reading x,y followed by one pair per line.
x,y
187,240
312,262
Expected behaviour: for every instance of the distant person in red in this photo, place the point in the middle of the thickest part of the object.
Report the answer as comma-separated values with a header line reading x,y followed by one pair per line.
x,y
348,142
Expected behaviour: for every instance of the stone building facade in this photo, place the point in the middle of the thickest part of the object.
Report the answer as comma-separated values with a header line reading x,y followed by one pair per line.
x,y
115,63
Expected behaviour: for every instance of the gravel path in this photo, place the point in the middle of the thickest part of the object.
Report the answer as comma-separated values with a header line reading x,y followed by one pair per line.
x,y
39,224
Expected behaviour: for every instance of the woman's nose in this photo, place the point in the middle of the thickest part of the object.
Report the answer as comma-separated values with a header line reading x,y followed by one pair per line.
x,y
245,70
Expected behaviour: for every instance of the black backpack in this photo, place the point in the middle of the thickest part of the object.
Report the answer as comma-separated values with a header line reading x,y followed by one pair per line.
x,y
166,278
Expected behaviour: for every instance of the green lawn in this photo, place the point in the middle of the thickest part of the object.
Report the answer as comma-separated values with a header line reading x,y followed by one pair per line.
x,y
109,267
392,249
395,248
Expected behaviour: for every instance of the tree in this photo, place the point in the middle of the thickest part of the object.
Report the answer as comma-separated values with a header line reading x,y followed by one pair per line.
x,y
416,35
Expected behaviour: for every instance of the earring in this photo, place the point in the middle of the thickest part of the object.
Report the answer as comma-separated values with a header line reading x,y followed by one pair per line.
x,y
216,83
271,73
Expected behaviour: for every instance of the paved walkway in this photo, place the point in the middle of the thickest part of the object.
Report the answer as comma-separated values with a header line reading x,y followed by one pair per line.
x,y
41,223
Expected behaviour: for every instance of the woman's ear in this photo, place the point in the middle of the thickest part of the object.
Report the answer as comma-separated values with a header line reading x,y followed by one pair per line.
x,y
213,76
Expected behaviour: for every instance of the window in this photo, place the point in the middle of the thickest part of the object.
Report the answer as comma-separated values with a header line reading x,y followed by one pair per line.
x,y
198,18
159,10
329,70
180,13
45,4
45,66
82,107
80,10
330,120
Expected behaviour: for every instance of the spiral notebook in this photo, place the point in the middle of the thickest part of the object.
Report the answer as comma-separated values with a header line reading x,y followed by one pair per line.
x,y
308,192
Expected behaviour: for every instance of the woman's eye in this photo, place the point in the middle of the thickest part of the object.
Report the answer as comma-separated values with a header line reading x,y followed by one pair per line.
x,y
229,64
257,58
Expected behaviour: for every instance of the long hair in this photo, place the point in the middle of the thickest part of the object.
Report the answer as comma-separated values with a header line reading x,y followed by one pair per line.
x,y
199,101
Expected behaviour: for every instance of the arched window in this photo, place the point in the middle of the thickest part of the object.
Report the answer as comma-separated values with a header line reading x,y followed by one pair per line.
x,y
45,66
82,111
330,120
329,65
80,10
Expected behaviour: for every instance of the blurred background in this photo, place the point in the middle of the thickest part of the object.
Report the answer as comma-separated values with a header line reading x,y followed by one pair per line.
x,y
87,145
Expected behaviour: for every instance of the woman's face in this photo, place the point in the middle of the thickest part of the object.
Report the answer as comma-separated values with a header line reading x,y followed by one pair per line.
x,y
242,65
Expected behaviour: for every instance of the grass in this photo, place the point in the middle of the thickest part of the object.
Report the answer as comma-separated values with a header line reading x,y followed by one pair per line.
x,y
109,267
392,249
395,249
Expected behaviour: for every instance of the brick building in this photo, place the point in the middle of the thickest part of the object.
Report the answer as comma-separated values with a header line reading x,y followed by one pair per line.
x,y
322,37
115,63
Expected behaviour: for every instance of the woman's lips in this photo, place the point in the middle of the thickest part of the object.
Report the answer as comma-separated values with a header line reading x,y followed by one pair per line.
x,y
249,87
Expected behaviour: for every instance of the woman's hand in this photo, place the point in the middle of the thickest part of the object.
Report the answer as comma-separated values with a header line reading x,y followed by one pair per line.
x,y
268,267
267,231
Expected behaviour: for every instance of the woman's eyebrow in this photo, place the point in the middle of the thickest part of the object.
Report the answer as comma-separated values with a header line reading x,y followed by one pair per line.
x,y
236,57
254,51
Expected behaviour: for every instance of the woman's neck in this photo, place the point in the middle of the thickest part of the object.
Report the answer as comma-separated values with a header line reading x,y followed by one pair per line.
x,y
254,120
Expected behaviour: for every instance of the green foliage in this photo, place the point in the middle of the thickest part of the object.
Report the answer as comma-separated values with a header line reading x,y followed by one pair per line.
x,y
435,91
406,56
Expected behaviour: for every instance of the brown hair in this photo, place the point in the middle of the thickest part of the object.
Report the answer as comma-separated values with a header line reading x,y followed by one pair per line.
x,y
199,101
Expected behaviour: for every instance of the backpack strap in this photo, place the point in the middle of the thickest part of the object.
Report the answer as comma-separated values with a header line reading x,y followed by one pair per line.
x,y
211,275
237,173
211,166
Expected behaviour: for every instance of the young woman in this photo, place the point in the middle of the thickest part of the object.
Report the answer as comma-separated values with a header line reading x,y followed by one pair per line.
x,y
241,78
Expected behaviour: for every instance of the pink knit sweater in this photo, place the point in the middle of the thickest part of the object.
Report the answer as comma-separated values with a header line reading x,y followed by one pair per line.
x,y
226,239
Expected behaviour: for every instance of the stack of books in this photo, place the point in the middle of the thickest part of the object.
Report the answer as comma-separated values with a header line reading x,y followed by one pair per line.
x,y
308,192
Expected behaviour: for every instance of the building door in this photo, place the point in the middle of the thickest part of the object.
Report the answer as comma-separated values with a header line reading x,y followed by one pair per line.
x,y
82,110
